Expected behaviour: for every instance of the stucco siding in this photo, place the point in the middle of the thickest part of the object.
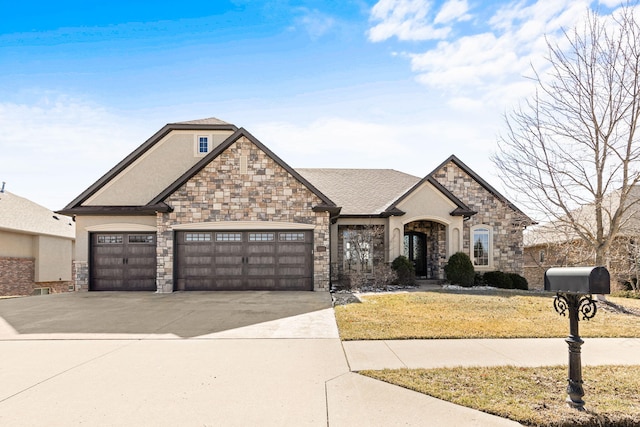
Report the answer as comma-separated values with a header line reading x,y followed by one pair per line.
x,y
87,224
154,171
53,259
16,245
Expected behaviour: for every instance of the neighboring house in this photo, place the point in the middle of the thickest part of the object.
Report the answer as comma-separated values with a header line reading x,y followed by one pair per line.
x,y
36,248
557,244
204,205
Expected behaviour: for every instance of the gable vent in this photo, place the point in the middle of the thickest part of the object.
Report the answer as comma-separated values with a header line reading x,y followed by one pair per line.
x,y
243,164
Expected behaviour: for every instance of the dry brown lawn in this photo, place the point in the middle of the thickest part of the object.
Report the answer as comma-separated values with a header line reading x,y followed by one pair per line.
x,y
531,396
476,314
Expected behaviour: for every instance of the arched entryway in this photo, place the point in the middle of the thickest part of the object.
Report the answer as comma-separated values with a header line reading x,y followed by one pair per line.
x,y
425,244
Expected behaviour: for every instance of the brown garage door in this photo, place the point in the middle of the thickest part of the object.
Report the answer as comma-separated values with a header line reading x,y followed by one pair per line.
x,y
123,262
244,260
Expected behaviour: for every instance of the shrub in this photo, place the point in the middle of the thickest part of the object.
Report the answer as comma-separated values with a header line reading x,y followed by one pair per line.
x,y
478,280
498,279
518,281
459,270
405,270
383,276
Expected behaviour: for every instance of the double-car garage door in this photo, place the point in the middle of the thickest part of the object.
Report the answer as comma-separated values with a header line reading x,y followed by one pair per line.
x,y
205,260
244,260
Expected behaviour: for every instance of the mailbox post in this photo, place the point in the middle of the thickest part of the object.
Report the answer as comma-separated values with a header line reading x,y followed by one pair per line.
x,y
574,287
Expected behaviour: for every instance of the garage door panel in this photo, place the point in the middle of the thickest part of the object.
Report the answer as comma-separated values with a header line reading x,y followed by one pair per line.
x,y
228,248
228,260
198,260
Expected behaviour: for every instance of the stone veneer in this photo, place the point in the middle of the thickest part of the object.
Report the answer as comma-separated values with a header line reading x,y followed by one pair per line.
x,y
506,223
436,235
81,275
223,192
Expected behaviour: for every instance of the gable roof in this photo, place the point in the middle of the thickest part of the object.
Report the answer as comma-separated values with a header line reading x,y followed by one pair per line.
x,y
462,209
203,124
360,191
21,215
328,204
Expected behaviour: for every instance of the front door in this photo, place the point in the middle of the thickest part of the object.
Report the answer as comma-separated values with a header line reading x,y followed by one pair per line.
x,y
415,248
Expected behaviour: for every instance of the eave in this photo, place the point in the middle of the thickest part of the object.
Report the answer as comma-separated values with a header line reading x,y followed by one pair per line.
x,y
117,210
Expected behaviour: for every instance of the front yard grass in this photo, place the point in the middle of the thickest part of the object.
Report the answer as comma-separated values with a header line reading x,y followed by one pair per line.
x,y
476,314
531,396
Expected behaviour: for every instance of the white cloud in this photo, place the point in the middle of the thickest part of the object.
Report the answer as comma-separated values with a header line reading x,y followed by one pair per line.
x,y
56,146
492,55
453,10
404,19
315,23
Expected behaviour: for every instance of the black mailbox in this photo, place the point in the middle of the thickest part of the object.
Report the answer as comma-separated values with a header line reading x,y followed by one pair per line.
x,y
580,280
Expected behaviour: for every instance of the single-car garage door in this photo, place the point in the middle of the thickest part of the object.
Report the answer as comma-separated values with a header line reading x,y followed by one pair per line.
x,y
244,260
123,262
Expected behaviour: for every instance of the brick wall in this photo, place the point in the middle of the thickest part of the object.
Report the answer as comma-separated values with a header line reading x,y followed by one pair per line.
x,y
16,276
222,191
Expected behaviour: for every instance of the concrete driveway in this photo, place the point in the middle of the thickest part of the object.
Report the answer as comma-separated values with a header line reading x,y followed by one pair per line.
x,y
182,359
136,315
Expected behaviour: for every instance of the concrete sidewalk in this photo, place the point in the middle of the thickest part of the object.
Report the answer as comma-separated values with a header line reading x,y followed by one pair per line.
x,y
395,354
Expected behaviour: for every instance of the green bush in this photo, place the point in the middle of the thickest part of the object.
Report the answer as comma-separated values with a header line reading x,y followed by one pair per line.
x,y
405,270
478,280
498,279
459,270
518,281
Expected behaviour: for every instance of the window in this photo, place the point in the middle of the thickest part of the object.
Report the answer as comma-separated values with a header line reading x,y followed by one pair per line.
x,y
197,237
541,256
110,239
292,237
228,237
481,244
261,237
141,238
203,144
358,250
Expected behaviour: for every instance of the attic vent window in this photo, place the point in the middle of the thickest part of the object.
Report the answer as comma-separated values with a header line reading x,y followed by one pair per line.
x,y
203,144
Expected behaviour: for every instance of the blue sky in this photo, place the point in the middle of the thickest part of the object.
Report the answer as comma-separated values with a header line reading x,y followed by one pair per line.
x,y
398,84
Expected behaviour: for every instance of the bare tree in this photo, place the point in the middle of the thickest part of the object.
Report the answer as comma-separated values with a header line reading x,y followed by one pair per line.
x,y
571,151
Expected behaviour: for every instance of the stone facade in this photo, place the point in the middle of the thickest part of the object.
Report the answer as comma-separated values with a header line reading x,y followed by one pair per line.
x,y
243,183
81,275
506,224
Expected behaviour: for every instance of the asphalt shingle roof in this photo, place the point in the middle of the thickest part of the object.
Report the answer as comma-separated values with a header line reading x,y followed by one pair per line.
x,y
207,121
360,191
24,216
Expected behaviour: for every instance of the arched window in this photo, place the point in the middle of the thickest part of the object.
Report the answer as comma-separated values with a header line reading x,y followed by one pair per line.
x,y
481,246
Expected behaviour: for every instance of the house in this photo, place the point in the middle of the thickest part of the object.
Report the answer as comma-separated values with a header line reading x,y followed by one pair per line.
x,y
204,205
36,248
559,244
